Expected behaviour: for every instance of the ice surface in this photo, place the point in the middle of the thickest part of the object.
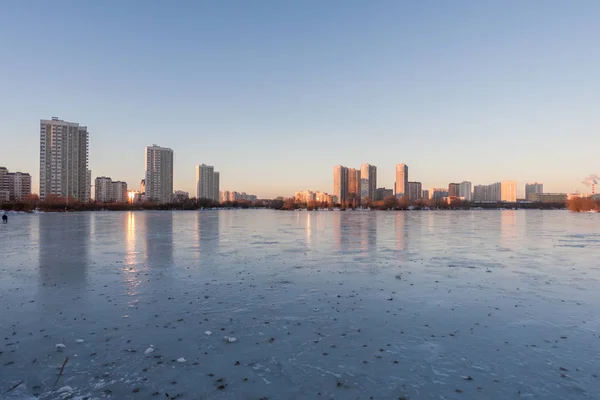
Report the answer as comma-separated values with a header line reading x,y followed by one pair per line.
x,y
332,305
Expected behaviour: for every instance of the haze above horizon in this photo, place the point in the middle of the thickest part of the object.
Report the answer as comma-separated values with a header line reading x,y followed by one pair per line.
x,y
274,94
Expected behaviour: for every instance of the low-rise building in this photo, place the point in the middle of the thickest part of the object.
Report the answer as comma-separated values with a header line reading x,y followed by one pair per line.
x,y
547,197
229,196
180,196
382,193
18,185
439,193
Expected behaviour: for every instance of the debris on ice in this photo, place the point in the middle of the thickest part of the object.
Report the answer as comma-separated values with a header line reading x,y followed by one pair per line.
x,y
229,339
149,350
208,333
78,340
181,360
60,346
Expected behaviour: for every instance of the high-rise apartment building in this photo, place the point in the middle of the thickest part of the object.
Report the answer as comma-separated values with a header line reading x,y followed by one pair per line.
x,y
401,180
480,193
340,183
533,188
108,191
492,193
14,185
103,189
64,160
354,185
466,191
454,190
207,183
216,178
368,181
426,194
414,191
119,190
159,174
509,191
495,192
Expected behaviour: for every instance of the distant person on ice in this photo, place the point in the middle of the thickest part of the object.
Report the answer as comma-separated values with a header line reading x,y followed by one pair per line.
x,y
4,218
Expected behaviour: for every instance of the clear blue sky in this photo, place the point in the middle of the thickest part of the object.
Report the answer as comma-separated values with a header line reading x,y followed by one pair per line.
x,y
275,93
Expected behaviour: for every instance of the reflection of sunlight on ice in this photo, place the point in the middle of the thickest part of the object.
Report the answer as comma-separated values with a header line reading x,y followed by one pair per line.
x,y
131,257
132,281
130,271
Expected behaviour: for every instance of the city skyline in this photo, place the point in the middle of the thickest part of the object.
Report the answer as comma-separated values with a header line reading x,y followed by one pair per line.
x,y
420,82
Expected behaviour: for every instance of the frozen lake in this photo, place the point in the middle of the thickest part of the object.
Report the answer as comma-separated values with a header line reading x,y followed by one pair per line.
x,y
331,305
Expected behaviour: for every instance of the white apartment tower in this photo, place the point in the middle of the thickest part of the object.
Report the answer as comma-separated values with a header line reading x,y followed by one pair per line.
x,y
466,190
207,182
159,174
64,151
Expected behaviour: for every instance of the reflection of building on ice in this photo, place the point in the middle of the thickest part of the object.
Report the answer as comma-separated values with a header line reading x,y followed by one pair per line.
x,y
64,241
208,226
159,238
368,232
400,228
508,227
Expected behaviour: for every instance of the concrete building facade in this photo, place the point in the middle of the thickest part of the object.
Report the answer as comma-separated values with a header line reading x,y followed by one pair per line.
x,y
508,191
207,183
466,191
532,188
368,181
119,191
216,187
548,197
159,174
401,180
17,185
382,193
439,193
340,183
354,185
414,191
108,191
454,190
103,190
64,152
